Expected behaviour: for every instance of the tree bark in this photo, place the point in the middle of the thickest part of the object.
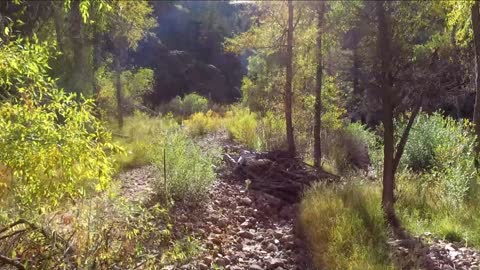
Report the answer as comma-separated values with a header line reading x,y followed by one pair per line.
x,y
317,152
384,54
476,40
95,61
403,140
79,60
288,82
118,85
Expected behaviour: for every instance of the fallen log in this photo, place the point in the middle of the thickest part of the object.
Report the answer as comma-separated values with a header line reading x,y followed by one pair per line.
x,y
276,173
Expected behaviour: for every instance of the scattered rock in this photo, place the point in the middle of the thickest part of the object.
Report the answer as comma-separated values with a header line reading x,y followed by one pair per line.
x,y
246,234
245,201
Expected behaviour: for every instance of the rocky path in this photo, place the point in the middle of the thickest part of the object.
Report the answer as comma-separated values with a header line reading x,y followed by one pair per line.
x,y
426,252
241,229
236,228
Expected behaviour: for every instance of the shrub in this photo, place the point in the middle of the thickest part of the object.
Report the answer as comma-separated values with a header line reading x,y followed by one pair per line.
x,y
345,228
186,106
444,148
193,103
242,125
272,131
202,123
56,150
50,142
352,146
189,169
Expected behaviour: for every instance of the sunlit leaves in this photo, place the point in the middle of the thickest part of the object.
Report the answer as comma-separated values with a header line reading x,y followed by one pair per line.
x,y
130,21
50,141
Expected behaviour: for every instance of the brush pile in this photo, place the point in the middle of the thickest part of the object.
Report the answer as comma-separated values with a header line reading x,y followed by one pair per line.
x,y
276,173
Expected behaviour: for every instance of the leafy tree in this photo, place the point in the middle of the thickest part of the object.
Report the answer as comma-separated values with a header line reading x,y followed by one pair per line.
x,y
129,23
51,142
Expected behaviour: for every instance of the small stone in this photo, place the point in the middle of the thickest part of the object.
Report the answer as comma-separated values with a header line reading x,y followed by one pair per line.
x,y
202,266
220,261
223,222
255,267
246,234
274,263
217,241
207,260
272,248
245,201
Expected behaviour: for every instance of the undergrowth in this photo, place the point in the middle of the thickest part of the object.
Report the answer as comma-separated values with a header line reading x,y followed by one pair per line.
x,y
344,227
185,171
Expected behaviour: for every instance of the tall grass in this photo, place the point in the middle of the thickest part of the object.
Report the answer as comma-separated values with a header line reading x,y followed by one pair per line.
x,y
344,227
136,137
184,169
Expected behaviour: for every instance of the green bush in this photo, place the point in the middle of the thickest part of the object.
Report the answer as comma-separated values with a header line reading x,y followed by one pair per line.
x,y
186,106
351,146
202,123
189,170
50,142
443,147
272,130
242,125
345,228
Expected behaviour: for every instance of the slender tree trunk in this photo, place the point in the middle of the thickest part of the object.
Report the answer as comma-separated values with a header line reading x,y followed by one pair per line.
x,y
355,71
58,21
317,152
79,60
288,82
95,61
476,41
384,54
118,86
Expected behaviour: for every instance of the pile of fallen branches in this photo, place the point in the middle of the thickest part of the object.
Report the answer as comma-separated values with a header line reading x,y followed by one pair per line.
x,y
276,173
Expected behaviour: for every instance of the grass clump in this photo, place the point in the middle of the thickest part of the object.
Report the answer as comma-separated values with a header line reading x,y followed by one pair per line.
x,y
161,141
254,131
424,207
135,137
271,130
185,168
200,123
242,125
344,227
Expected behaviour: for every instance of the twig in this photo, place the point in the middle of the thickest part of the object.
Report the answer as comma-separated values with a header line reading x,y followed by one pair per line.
x,y
9,261
12,234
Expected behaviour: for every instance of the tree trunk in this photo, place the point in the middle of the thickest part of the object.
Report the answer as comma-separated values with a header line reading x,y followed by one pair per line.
x,y
58,21
384,54
79,63
118,86
95,61
476,41
288,82
317,152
